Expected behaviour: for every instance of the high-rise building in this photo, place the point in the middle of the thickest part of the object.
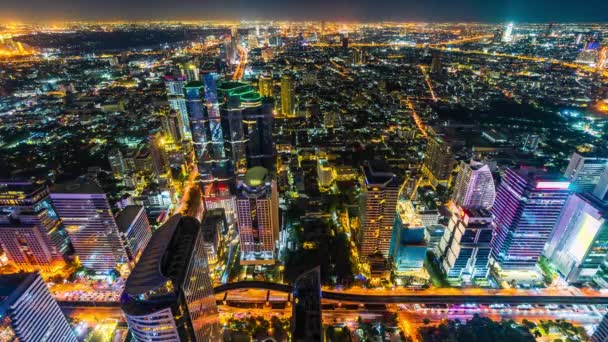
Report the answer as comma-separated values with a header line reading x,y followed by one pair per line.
x,y
31,234
86,214
579,243
169,294
171,123
214,227
134,229
380,190
117,162
288,99
474,186
306,317
439,161
265,85
465,246
257,210
601,189
28,312
247,121
584,171
191,72
436,63
601,331
507,35
530,143
217,151
528,204
199,126
177,102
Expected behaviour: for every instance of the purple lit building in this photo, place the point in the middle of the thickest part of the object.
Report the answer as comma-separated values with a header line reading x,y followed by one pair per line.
x,y
528,204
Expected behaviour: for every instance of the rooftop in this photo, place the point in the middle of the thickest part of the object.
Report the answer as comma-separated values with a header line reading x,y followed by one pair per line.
x,y
77,187
256,176
125,217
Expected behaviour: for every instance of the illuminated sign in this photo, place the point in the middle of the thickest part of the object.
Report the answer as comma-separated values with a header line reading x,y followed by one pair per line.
x,y
553,185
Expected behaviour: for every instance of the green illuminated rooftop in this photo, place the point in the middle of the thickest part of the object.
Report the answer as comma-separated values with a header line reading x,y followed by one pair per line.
x,y
243,90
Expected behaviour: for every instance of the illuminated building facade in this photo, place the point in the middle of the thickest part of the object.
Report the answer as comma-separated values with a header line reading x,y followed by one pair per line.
x,y
199,126
601,331
380,190
474,186
306,320
584,171
214,228
31,234
248,123
86,215
134,229
601,189
579,244
439,161
465,246
288,99
527,207
257,210
177,102
265,85
28,312
169,294
507,35
117,162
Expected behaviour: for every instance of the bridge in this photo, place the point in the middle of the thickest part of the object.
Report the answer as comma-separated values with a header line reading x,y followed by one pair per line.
x,y
434,296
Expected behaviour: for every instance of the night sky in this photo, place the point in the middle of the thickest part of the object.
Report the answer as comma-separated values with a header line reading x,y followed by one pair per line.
x,y
341,10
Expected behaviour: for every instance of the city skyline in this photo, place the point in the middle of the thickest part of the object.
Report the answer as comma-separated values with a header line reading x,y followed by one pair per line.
x,y
538,11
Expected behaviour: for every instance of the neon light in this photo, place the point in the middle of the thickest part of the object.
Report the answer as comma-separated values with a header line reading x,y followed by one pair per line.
x,y
553,185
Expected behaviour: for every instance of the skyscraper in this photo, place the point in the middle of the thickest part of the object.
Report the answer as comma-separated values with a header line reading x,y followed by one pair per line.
x,y
199,126
380,190
507,35
601,189
474,186
439,161
31,234
527,207
215,227
28,312
257,210
117,162
288,100
584,171
169,294
436,63
265,85
306,319
134,229
85,212
247,121
601,332
579,243
465,246
177,102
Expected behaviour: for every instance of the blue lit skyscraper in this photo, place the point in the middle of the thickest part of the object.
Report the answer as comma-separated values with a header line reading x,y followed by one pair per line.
x,y
528,204
199,125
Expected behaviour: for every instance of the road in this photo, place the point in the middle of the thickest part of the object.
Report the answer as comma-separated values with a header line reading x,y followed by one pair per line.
x,y
240,68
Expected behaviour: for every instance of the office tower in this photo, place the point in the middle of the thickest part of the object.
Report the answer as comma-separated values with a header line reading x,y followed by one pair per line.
x,y
171,123
214,227
474,186
134,229
28,312
220,195
436,63
160,162
190,72
117,162
288,100
216,135
465,246
177,102
439,161
257,210
199,126
601,331
247,121
85,212
169,294
579,242
601,189
527,207
230,50
380,190
306,317
31,234
584,171
344,41
265,85
507,35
